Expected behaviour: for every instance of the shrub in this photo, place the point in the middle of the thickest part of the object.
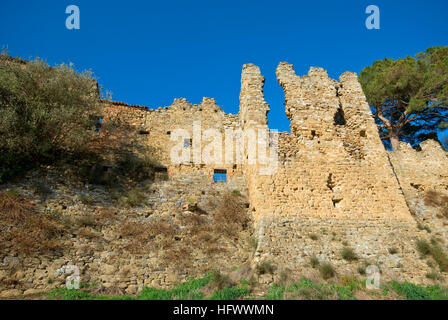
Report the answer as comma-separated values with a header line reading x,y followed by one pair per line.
x,y
423,247
41,189
361,270
327,270
47,113
276,292
348,254
87,233
236,192
87,220
230,215
314,261
132,198
265,267
86,199
445,211
220,281
29,231
136,167
434,275
422,227
439,256
392,250
314,236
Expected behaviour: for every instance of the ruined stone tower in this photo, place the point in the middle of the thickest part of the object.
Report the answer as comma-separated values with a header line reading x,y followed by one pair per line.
x,y
333,177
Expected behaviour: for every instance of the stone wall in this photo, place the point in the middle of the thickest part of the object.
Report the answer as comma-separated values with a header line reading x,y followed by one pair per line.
x,y
151,132
334,176
422,172
334,186
335,181
328,169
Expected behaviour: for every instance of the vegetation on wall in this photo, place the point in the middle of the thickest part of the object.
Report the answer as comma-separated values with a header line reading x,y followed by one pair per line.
x,y
46,113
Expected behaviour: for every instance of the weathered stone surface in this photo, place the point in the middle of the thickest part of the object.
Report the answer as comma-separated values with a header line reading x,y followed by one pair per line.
x,y
334,180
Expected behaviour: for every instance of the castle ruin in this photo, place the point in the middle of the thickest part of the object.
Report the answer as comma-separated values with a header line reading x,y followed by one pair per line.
x,y
334,176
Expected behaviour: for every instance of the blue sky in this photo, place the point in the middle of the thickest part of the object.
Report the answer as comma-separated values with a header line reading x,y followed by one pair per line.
x,y
150,52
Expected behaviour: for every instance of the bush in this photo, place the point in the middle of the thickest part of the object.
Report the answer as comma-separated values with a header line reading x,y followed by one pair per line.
x,y
327,270
138,168
392,250
231,215
439,256
361,270
436,251
29,231
423,247
314,261
132,198
236,192
265,267
220,281
348,254
314,236
86,199
46,113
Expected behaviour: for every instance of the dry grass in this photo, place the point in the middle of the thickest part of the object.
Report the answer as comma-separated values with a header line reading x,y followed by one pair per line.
x,y
436,199
88,234
204,234
231,216
142,236
24,229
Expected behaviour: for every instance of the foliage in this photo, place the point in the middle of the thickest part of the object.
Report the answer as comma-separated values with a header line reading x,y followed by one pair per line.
x,y
220,281
408,96
265,267
46,112
348,254
423,247
435,251
230,293
26,229
416,292
327,270
314,261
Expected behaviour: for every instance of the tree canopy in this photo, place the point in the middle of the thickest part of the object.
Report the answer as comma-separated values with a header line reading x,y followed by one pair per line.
x,y
45,111
408,96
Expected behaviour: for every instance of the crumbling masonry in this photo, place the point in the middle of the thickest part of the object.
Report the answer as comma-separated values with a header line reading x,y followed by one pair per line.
x,y
334,177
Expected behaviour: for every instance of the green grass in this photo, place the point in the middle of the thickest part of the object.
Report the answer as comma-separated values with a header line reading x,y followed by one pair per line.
x,y
435,251
232,293
417,292
189,290
309,290
276,292
303,289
